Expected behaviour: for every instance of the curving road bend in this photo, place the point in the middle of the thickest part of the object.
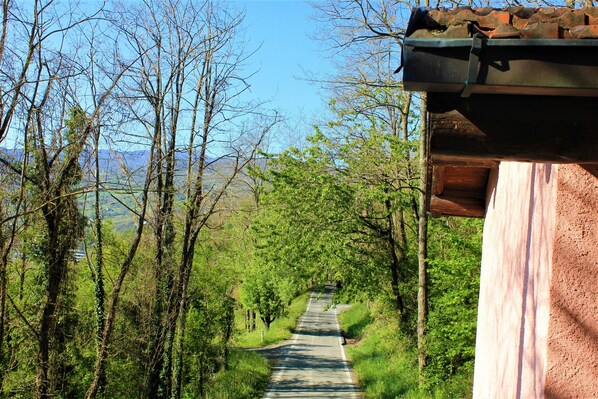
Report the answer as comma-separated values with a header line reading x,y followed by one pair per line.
x,y
313,364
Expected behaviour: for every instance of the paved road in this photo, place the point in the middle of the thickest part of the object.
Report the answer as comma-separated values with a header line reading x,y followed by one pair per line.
x,y
312,364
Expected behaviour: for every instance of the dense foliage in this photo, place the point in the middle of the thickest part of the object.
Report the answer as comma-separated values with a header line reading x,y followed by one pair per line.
x,y
455,255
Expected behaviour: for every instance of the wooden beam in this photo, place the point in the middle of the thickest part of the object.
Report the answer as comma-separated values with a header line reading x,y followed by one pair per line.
x,y
460,190
438,180
470,180
472,161
457,206
519,128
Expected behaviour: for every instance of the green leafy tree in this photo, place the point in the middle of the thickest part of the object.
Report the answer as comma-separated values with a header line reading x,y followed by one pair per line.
x,y
333,214
455,254
267,291
209,321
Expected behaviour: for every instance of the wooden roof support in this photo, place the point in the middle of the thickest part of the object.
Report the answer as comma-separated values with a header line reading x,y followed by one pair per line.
x,y
460,190
457,206
509,127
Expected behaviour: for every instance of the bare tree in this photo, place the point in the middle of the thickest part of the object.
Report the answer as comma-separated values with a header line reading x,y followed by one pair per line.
x,y
104,55
168,40
184,93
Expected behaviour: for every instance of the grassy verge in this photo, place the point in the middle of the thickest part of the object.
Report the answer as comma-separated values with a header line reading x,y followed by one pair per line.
x,y
249,372
246,378
385,366
280,330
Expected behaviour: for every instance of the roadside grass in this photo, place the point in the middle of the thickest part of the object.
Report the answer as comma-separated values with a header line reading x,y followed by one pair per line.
x,y
386,363
459,386
385,366
354,320
249,372
246,378
280,330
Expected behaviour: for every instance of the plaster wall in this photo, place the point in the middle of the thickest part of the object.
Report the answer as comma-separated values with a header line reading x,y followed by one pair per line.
x,y
511,356
573,329
537,333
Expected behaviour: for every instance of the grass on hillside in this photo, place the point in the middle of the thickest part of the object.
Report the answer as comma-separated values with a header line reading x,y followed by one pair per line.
x,y
249,372
385,367
280,330
246,378
385,363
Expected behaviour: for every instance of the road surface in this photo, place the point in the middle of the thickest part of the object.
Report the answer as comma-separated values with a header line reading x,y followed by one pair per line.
x,y
313,364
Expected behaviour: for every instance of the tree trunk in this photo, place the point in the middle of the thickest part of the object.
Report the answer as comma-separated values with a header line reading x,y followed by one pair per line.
x,y
56,268
3,297
164,312
230,322
422,293
180,322
267,320
201,376
170,293
396,255
177,383
99,265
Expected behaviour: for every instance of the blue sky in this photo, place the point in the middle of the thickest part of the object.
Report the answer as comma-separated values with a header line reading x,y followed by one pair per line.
x,y
287,53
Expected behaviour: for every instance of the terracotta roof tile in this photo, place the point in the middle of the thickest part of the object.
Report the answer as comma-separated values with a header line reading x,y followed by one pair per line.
x,y
515,22
452,32
572,19
585,32
466,16
494,19
541,30
503,31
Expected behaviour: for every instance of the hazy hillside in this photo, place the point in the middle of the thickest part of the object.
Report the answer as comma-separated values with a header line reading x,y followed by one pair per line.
x,y
119,171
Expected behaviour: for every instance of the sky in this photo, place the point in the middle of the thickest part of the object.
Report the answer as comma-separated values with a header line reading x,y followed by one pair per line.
x,y
287,56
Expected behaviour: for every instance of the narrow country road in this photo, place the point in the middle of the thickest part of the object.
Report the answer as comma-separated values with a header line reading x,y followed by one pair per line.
x,y
312,364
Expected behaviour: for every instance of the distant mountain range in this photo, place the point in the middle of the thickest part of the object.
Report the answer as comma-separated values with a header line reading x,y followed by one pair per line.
x,y
114,204
109,159
133,159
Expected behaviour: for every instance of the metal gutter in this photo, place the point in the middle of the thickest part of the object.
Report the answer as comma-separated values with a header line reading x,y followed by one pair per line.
x,y
450,43
507,66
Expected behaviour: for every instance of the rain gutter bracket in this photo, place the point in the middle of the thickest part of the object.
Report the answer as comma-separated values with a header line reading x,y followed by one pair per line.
x,y
473,68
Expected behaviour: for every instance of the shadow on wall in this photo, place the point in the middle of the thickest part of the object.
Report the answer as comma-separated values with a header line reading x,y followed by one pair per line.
x,y
503,274
592,169
535,297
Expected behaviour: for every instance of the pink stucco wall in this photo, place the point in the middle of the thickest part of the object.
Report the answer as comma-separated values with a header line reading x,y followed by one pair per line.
x,y
538,310
573,327
514,284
